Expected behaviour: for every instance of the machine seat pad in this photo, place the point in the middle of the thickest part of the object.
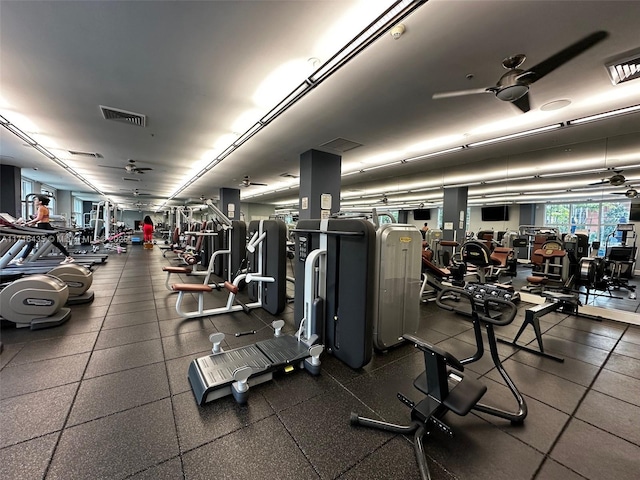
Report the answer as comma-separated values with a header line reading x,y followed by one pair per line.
x,y
537,280
176,269
550,253
231,287
449,243
464,396
191,287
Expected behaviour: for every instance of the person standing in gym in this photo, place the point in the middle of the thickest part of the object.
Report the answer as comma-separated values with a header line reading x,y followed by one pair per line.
x,y
424,230
147,229
41,221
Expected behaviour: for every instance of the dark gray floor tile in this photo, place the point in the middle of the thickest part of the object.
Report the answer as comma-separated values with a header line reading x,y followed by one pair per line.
x,y
395,459
179,326
177,370
612,415
35,414
169,470
55,347
122,336
9,351
77,324
625,365
199,425
103,290
28,460
602,342
571,369
261,455
90,311
128,308
632,335
605,327
628,349
542,425
115,359
186,344
122,298
117,445
619,386
578,351
168,313
129,319
32,377
596,454
542,386
101,396
552,470
337,446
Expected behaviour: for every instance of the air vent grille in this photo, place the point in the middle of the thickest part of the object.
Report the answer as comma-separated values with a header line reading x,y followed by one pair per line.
x,y
124,116
624,69
341,144
85,154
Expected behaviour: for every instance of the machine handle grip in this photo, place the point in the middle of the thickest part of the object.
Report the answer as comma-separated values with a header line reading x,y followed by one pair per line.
x,y
505,318
456,291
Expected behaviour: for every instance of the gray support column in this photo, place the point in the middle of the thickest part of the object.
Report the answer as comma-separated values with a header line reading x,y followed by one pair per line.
x,y
454,214
527,214
10,193
403,216
319,175
230,203
64,203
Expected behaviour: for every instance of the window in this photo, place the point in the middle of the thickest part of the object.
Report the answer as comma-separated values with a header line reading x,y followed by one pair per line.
x,y
27,188
76,216
597,219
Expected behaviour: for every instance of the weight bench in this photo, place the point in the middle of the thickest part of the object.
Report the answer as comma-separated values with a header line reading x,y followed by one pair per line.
x,y
231,372
178,270
554,301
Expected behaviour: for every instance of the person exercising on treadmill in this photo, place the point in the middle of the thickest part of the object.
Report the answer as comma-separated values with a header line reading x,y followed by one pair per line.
x,y
41,221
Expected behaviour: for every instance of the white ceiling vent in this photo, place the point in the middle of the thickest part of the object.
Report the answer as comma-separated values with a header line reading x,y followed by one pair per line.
x,y
624,68
118,115
85,154
341,145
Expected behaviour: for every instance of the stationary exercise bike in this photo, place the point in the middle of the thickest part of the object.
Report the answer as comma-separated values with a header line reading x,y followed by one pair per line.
x,y
445,386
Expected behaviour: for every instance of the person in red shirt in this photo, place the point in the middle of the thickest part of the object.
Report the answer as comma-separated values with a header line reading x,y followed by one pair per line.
x,y
41,220
147,229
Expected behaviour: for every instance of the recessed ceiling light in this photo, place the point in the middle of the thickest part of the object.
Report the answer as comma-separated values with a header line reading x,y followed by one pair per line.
x,y
555,105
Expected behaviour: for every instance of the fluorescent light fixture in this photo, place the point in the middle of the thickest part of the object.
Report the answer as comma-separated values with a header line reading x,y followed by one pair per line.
x,y
516,135
289,100
226,153
351,173
572,174
599,116
428,155
248,134
376,167
509,179
19,133
376,29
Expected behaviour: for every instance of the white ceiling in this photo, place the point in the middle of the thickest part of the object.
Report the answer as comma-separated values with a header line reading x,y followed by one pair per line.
x,y
194,68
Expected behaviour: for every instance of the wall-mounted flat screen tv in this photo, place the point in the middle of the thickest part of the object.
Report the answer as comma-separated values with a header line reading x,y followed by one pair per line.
x,y
422,214
634,212
495,214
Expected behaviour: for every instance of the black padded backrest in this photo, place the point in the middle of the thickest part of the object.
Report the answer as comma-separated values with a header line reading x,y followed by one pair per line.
x,y
476,253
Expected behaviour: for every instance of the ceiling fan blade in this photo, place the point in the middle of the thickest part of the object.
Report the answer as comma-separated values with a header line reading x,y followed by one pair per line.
x,y
143,168
460,93
258,184
523,103
603,182
111,166
545,67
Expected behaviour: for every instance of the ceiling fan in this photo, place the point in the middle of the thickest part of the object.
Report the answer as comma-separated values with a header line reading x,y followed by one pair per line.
x,y
630,193
136,193
246,182
513,86
130,167
616,179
